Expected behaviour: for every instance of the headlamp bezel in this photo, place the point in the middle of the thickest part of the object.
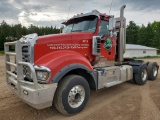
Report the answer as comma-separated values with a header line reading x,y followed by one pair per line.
x,y
42,69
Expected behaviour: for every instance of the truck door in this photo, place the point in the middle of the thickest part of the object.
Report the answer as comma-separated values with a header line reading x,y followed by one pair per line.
x,y
108,43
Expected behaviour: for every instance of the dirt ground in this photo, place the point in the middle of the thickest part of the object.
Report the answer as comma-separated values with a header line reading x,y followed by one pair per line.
x,y
126,101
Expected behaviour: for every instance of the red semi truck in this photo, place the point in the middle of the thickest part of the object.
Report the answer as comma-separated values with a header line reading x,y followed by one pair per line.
x,y
60,69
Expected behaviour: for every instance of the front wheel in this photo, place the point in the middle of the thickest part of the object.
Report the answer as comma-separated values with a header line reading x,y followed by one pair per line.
x,y
72,95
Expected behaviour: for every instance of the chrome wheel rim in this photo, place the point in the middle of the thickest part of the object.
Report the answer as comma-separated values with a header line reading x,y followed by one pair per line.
x,y
155,71
144,74
76,96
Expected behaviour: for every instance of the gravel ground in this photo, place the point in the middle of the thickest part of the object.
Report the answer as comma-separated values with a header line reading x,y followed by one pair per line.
x,y
126,101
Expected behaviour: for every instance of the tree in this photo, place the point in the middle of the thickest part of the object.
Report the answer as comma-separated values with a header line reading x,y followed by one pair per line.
x,y
2,39
132,33
156,30
142,35
14,32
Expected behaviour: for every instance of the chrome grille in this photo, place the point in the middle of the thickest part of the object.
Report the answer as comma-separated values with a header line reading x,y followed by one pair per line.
x,y
25,54
26,58
25,70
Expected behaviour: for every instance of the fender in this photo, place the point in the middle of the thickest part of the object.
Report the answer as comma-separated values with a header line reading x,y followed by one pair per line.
x,y
71,67
137,65
57,60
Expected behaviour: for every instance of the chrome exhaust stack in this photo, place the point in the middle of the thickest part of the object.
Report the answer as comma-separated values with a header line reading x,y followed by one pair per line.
x,y
121,29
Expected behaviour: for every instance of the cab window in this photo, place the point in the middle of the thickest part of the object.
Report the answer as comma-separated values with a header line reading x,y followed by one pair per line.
x,y
103,28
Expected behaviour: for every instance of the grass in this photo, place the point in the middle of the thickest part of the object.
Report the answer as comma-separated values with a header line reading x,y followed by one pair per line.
x,y
146,57
1,52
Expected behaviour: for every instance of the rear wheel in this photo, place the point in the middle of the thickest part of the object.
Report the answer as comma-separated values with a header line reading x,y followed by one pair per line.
x,y
152,70
141,77
71,95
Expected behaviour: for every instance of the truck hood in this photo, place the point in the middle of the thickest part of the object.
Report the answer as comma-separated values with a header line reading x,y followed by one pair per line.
x,y
64,37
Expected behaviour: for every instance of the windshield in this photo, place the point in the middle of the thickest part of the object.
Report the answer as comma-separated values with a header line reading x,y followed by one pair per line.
x,y
84,24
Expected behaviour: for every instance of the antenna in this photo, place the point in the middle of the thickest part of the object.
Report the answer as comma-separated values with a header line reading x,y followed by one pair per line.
x,y
110,7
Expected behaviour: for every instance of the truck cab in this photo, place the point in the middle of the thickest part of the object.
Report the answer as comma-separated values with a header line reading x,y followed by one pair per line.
x,y
60,69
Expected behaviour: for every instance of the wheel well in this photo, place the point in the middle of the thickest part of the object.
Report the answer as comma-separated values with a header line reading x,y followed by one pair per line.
x,y
84,74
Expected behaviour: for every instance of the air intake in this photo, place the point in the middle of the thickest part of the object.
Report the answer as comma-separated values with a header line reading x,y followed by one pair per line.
x,y
96,46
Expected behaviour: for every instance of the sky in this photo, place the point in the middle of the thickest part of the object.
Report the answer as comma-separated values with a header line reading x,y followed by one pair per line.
x,y
54,12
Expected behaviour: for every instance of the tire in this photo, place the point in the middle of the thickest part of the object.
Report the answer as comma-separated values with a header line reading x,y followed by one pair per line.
x,y
152,70
71,95
141,77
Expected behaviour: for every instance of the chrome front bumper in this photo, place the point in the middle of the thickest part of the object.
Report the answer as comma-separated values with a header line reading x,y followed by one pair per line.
x,y
37,95
39,98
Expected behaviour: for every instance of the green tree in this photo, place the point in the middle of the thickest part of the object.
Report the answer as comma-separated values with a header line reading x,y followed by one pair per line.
x,y
14,32
156,31
142,35
149,35
132,33
2,39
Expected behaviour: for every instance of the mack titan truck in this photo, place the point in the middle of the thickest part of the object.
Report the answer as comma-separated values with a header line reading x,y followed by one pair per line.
x,y
59,70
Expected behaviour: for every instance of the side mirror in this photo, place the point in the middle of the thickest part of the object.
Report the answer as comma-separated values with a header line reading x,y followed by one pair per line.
x,y
61,28
112,24
102,36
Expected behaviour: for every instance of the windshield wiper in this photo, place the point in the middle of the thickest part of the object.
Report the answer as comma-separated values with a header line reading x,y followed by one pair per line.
x,y
76,30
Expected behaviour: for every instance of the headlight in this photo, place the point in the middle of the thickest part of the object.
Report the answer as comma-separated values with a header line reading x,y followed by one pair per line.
x,y
42,75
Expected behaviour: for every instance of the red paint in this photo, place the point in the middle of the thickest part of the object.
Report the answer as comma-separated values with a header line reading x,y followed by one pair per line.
x,y
42,46
59,50
59,59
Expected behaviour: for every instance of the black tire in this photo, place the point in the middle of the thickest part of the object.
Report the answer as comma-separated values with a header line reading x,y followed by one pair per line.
x,y
68,88
141,77
152,70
